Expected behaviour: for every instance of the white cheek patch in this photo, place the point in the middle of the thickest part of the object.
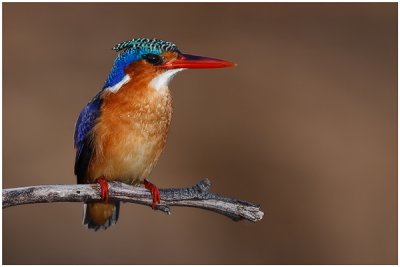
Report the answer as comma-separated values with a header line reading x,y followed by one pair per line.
x,y
161,81
118,86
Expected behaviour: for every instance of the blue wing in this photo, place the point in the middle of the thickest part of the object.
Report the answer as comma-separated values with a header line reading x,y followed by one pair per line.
x,y
82,140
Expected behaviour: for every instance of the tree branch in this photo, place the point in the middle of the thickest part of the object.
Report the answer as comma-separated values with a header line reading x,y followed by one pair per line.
x,y
197,196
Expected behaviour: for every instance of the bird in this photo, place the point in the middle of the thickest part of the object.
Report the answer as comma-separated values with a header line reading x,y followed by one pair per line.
x,y
121,133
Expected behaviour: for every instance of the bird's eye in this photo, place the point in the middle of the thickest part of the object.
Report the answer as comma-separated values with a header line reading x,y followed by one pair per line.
x,y
153,59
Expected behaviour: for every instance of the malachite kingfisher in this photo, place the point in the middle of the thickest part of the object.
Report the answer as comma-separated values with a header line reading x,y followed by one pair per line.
x,y
122,131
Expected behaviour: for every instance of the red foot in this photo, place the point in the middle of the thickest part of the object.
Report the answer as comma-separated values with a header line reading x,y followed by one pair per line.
x,y
154,192
104,187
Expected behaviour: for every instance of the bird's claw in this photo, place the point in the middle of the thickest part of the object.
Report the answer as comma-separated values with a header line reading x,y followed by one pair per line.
x,y
104,188
154,192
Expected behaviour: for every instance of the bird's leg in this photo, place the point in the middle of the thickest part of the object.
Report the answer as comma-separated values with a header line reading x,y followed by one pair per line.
x,y
104,188
154,192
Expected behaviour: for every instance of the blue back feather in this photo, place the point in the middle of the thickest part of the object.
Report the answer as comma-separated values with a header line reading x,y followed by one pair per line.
x,y
82,139
87,120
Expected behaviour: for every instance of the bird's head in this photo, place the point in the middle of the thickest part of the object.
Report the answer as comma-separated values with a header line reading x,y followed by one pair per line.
x,y
154,60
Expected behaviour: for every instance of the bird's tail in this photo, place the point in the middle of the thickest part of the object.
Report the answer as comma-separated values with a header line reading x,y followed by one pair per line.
x,y
100,215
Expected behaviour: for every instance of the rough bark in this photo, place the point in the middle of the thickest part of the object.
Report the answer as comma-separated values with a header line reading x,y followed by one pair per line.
x,y
197,196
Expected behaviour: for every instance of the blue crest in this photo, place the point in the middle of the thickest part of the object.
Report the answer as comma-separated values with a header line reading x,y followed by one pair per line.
x,y
133,50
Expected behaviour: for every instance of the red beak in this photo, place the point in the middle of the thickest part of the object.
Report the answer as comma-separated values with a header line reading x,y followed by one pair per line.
x,y
186,61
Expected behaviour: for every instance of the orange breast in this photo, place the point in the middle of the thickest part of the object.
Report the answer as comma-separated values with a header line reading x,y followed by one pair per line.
x,y
131,132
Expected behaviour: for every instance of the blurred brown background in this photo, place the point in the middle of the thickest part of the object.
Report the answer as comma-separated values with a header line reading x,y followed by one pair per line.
x,y
306,125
